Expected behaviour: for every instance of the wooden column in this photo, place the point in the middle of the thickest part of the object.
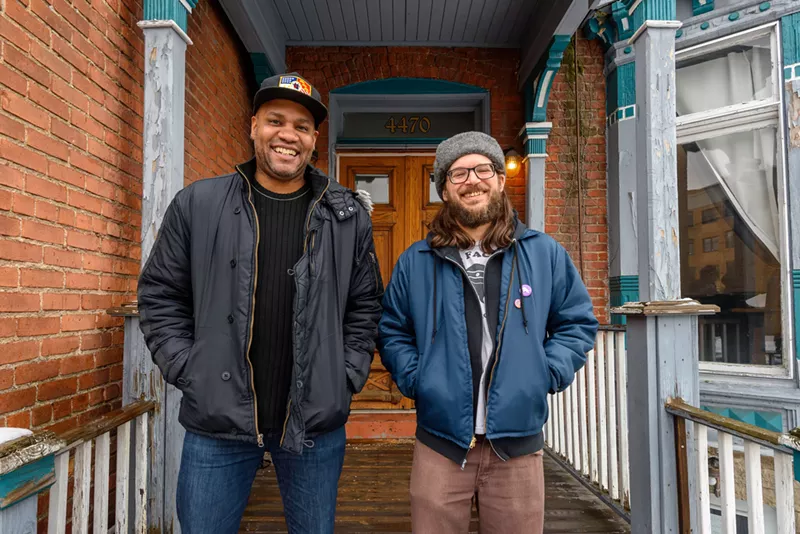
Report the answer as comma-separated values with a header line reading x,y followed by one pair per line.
x,y
164,98
535,135
662,330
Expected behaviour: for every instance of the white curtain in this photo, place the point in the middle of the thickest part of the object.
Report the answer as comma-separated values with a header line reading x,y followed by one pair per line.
x,y
743,164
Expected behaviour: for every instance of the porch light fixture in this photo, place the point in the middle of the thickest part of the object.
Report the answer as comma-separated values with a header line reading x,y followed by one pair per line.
x,y
513,162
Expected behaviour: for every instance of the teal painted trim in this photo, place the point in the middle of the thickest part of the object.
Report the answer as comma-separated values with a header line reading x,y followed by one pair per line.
x,y
699,7
772,421
628,50
193,3
623,289
790,30
535,147
547,72
622,21
39,475
678,34
733,16
791,72
796,302
704,26
167,10
261,67
600,29
796,466
387,142
651,10
764,6
407,86
621,88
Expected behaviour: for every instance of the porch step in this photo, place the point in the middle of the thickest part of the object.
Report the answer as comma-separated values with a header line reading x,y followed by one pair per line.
x,y
376,424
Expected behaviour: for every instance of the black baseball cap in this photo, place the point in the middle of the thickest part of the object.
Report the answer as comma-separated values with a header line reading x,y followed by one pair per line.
x,y
292,87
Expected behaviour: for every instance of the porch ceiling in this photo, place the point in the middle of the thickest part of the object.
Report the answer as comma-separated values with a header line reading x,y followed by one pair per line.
x,y
269,26
481,23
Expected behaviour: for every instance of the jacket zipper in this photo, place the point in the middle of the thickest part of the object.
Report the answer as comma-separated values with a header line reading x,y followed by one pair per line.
x,y
474,439
496,354
497,351
374,270
305,249
259,435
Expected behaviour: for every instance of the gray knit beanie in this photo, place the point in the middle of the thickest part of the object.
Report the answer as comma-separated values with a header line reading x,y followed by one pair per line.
x,y
461,145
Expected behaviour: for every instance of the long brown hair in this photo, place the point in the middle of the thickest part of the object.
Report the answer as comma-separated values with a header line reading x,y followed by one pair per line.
x,y
448,233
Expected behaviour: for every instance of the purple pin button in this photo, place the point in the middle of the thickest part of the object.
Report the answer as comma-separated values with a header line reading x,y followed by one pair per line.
x,y
518,303
526,290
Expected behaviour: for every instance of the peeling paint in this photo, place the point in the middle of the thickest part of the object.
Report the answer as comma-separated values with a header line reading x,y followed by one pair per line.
x,y
793,112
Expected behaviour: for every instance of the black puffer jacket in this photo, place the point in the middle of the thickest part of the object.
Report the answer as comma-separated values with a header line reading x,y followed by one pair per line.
x,y
196,295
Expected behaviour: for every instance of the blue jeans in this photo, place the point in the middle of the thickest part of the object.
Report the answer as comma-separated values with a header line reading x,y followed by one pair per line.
x,y
216,476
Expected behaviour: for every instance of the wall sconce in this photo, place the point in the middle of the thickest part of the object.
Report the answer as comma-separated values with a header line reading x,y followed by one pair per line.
x,y
513,162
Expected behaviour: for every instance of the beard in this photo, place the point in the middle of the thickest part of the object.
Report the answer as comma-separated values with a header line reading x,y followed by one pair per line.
x,y
265,165
473,218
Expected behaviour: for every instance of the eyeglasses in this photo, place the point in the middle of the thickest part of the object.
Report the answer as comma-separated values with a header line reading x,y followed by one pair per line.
x,y
484,171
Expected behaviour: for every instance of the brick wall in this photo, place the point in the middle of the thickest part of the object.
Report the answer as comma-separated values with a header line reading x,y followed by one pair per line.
x,y
220,85
492,69
71,105
561,184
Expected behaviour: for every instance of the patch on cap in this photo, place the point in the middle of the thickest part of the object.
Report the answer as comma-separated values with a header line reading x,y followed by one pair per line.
x,y
295,82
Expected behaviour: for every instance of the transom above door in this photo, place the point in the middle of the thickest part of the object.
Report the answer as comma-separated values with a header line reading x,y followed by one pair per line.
x,y
405,201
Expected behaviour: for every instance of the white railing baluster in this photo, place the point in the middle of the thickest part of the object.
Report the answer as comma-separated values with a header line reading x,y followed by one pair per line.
x,y
728,487
548,426
141,474
582,414
592,399
123,476
562,439
755,500
622,411
57,511
611,396
702,480
601,407
784,493
101,472
568,425
80,494
576,443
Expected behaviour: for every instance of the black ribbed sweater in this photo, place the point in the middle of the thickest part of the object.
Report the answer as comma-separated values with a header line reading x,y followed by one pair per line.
x,y
281,220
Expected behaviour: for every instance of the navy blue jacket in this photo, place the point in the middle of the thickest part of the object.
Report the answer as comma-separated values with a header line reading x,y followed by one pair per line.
x,y
538,346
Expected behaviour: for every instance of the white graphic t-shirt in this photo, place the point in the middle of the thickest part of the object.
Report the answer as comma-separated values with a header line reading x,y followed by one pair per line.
x,y
474,260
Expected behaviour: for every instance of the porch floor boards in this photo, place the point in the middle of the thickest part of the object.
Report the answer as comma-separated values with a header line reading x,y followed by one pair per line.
x,y
373,496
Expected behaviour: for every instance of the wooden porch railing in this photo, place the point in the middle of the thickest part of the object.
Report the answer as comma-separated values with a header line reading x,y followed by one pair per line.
x,y
78,442
588,425
783,447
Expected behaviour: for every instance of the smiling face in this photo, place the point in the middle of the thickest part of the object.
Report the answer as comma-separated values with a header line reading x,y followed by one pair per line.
x,y
474,202
284,137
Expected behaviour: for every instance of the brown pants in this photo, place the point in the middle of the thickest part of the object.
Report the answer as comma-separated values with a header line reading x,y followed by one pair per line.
x,y
510,494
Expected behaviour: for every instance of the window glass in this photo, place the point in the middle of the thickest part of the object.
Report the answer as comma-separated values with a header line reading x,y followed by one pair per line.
x,y
732,181
377,185
734,75
433,196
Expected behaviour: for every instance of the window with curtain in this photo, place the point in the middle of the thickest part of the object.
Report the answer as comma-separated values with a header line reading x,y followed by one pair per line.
x,y
730,191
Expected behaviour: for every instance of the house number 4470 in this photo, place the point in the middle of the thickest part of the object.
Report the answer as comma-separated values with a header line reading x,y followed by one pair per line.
x,y
408,124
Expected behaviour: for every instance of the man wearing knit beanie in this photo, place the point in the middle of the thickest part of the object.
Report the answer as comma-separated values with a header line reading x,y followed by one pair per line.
x,y
481,321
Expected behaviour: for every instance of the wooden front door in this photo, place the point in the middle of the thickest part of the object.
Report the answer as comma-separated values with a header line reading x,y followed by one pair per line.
x,y
404,202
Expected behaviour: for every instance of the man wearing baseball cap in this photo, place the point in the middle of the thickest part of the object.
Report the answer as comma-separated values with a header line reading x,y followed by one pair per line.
x,y
481,321
260,302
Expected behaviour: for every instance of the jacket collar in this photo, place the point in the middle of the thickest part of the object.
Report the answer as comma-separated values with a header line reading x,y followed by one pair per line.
x,y
340,200
521,232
